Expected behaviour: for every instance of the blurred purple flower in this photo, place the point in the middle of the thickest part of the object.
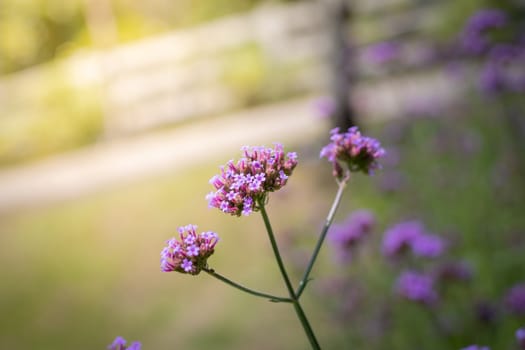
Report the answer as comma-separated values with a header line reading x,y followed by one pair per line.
x,y
473,38
504,70
120,344
520,337
359,153
411,235
476,347
515,299
240,185
135,346
417,287
399,237
190,253
383,52
428,246
346,236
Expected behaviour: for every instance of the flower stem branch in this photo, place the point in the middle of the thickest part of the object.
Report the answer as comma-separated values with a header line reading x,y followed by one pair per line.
x,y
247,290
297,306
328,223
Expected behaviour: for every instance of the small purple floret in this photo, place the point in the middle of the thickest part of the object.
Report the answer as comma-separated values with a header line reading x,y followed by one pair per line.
x,y
189,253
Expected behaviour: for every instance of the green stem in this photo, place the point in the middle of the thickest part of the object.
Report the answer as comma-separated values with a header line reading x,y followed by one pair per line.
x,y
328,223
297,306
247,290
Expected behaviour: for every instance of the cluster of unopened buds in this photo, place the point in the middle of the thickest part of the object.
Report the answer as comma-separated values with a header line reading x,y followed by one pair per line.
x,y
359,153
189,253
241,184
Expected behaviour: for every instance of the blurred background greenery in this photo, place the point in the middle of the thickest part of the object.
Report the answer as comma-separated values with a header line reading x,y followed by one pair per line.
x,y
78,272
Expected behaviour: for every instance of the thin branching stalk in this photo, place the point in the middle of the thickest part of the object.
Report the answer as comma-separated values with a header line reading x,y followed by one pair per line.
x,y
245,289
328,223
297,306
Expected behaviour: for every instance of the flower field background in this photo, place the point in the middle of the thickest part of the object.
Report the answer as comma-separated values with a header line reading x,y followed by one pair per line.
x,y
428,253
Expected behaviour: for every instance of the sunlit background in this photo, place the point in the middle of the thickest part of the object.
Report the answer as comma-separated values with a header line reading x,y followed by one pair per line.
x,y
114,114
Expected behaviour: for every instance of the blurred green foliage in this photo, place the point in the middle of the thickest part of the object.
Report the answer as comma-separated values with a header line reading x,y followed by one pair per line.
x,y
245,69
36,31
255,78
37,122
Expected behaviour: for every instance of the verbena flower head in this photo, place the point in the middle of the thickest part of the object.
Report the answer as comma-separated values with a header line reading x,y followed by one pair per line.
x,y
411,235
190,252
515,299
417,287
344,237
120,344
520,337
357,152
241,184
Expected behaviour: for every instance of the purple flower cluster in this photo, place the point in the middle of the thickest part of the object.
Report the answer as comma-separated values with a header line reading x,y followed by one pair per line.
x,y
474,37
240,185
359,153
515,299
190,253
520,337
411,235
346,236
120,344
416,286
503,66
